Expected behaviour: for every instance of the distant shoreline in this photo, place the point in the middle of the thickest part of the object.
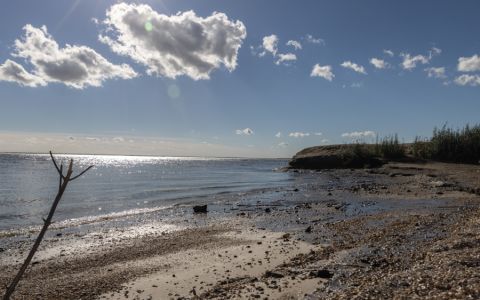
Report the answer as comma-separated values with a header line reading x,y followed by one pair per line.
x,y
144,155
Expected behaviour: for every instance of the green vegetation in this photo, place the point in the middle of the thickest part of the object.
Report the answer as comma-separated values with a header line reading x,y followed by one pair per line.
x,y
390,148
450,145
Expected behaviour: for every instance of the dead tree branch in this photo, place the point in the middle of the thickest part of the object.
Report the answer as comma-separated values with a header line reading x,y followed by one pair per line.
x,y
63,182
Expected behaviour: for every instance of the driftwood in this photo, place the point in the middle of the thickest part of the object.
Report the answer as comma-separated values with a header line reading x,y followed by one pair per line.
x,y
62,185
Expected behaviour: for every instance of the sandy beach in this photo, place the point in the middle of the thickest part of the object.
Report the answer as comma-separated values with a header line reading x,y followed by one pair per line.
x,y
395,232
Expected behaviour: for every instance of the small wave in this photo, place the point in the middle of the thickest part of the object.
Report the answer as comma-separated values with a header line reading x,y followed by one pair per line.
x,y
83,220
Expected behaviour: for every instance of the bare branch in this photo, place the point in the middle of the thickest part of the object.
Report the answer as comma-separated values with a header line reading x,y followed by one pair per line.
x,y
63,182
83,172
60,177
55,164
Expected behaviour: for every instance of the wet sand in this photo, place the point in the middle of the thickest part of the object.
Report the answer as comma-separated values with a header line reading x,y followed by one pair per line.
x,y
400,231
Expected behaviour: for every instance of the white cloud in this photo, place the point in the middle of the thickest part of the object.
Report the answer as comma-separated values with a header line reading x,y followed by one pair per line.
x,y
246,131
358,134
294,44
13,72
434,51
410,62
322,71
74,66
298,134
355,67
176,45
379,63
278,135
466,79
388,52
469,64
436,72
318,133
270,44
324,141
309,38
285,58
282,145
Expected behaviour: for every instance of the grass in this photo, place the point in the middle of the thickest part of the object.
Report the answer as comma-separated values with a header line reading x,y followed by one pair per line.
x,y
446,144
389,147
450,145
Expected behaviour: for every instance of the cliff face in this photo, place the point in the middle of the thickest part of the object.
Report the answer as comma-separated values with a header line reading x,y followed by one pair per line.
x,y
334,157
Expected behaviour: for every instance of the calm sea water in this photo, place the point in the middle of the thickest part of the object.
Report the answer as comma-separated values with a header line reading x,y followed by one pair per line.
x,y
123,184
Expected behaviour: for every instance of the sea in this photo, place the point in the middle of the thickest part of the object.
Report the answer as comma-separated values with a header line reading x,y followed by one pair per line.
x,y
124,185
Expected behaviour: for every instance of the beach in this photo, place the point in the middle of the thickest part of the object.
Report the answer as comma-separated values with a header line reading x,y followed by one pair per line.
x,y
399,231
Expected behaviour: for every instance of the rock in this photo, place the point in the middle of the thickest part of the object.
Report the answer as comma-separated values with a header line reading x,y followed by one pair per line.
x,y
273,274
309,229
295,190
200,209
268,210
323,273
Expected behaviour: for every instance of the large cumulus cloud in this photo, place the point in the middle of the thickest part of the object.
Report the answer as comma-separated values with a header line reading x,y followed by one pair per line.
x,y
171,46
74,66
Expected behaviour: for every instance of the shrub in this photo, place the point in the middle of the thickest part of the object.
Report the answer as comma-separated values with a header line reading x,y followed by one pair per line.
x,y
389,147
451,145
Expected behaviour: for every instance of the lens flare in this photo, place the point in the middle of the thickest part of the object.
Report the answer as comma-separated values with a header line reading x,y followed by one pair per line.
x,y
148,26
173,91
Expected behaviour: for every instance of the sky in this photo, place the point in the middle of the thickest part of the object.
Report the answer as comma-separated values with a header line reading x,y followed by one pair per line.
x,y
232,78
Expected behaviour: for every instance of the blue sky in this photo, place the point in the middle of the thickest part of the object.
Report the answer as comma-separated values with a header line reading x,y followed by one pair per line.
x,y
234,99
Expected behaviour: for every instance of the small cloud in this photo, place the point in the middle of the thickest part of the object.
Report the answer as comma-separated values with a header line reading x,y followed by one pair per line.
x,y
318,133
286,58
282,145
466,79
322,71
270,44
436,72
358,134
353,66
410,62
469,64
389,52
434,51
246,131
118,139
278,135
379,63
324,141
294,44
298,134
310,39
